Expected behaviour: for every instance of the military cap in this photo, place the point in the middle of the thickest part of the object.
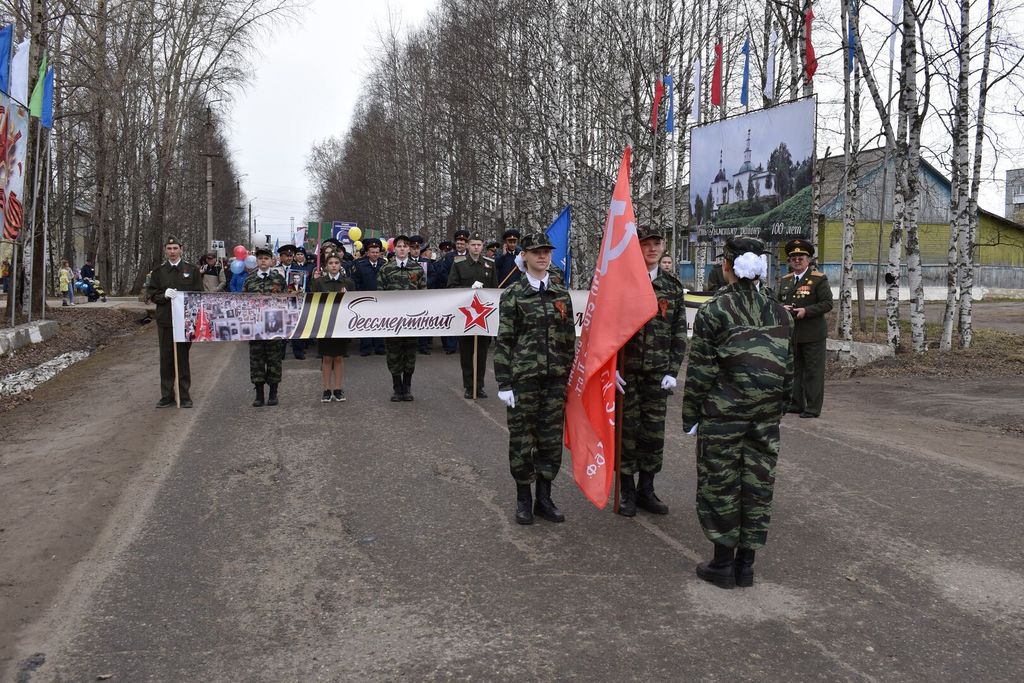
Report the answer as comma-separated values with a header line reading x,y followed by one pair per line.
x,y
302,249
372,242
537,240
511,232
736,245
493,245
461,234
799,247
446,244
172,240
401,238
649,233
263,251
417,239
286,249
209,254
477,237
332,242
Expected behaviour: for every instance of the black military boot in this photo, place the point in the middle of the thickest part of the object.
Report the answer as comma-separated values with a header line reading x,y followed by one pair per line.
x,y
719,571
407,386
258,403
744,567
544,506
272,399
646,497
627,495
397,390
524,504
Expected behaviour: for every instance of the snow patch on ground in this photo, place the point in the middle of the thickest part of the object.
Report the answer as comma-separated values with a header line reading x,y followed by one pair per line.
x,y
29,379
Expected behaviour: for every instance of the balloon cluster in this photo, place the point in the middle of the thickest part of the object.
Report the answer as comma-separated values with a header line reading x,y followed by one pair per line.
x,y
243,260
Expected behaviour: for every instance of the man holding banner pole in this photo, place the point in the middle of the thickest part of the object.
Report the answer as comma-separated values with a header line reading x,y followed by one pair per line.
x,y
473,270
166,283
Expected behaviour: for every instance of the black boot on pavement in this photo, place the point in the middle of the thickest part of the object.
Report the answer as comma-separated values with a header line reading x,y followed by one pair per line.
x,y
396,388
744,567
258,403
272,399
407,386
647,499
524,504
719,571
544,507
627,495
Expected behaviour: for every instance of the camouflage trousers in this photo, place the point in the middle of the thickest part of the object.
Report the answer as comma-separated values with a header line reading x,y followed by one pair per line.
x,y
265,361
535,432
643,423
401,354
735,480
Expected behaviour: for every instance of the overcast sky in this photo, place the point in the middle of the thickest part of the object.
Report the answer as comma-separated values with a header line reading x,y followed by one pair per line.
x,y
306,78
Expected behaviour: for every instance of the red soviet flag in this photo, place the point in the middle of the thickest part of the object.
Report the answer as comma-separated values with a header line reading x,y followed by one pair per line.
x,y
716,77
621,301
812,61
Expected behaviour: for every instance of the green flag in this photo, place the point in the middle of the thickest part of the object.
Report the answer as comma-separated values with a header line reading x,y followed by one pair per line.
x,y
35,103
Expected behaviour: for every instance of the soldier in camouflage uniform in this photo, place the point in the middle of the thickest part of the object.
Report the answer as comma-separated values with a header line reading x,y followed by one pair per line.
x,y
265,356
401,274
533,354
651,361
738,383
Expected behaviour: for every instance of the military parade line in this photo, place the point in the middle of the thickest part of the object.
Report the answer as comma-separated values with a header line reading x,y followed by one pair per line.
x,y
745,370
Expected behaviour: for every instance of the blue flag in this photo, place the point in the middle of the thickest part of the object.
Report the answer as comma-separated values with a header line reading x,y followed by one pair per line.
x,y
6,39
746,71
670,121
277,245
558,233
47,115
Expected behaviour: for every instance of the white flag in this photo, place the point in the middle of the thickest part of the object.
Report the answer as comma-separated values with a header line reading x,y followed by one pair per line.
x,y
897,6
19,73
299,238
769,81
695,110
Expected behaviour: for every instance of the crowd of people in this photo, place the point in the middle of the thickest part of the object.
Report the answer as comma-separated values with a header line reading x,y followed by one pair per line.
x,y
754,356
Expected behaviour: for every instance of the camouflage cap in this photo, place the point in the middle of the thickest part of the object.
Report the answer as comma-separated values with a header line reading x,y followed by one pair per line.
x,y
799,247
736,245
649,233
536,240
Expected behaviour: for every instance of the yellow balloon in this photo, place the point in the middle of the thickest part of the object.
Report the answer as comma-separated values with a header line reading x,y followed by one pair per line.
x,y
357,244
355,234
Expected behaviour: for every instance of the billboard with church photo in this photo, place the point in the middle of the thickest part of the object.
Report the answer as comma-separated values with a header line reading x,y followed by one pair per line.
x,y
751,174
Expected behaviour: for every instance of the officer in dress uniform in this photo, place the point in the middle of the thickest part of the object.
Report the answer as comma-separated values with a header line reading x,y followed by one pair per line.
x,y
533,355
473,270
401,274
442,269
166,283
265,355
738,383
806,294
365,271
652,358
508,272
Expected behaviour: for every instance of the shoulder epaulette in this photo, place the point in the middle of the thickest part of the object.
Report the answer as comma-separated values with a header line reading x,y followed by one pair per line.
x,y
459,259
817,272
488,258
787,276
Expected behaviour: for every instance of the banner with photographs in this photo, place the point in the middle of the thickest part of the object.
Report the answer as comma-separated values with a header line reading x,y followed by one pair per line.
x,y
751,174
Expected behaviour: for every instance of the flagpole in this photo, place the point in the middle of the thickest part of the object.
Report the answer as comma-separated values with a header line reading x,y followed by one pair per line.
x,y
177,391
46,216
619,400
476,346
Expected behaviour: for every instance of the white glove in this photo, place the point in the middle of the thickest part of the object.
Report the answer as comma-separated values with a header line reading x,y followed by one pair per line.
x,y
668,382
476,285
693,430
508,398
520,264
170,293
620,384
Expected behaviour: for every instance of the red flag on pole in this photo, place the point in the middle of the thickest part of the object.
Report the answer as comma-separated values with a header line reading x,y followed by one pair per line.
x,y
203,330
812,61
716,78
659,92
621,302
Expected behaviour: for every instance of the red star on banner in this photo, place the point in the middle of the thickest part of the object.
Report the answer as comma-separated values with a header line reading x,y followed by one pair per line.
x,y
476,313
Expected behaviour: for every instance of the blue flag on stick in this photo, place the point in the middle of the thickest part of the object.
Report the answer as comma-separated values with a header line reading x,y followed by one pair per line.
x,y
47,114
670,121
6,40
746,71
558,233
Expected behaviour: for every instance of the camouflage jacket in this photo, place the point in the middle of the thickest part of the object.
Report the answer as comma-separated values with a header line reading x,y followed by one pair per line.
x,y
659,347
395,277
273,283
536,335
741,358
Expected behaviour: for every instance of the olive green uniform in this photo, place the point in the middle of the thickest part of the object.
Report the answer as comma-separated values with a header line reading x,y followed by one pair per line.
x,y
716,279
812,293
184,278
265,355
465,271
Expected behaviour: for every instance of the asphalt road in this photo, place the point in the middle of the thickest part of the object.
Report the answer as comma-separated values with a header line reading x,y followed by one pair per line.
x,y
376,540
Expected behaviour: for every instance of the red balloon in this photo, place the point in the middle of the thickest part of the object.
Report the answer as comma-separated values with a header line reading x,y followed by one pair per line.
x,y
241,252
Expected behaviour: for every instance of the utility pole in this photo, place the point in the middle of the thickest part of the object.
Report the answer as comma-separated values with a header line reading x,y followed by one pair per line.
x,y
251,224
209,179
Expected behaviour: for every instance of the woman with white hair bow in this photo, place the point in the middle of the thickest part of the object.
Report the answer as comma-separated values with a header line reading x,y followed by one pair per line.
x,y
738,384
